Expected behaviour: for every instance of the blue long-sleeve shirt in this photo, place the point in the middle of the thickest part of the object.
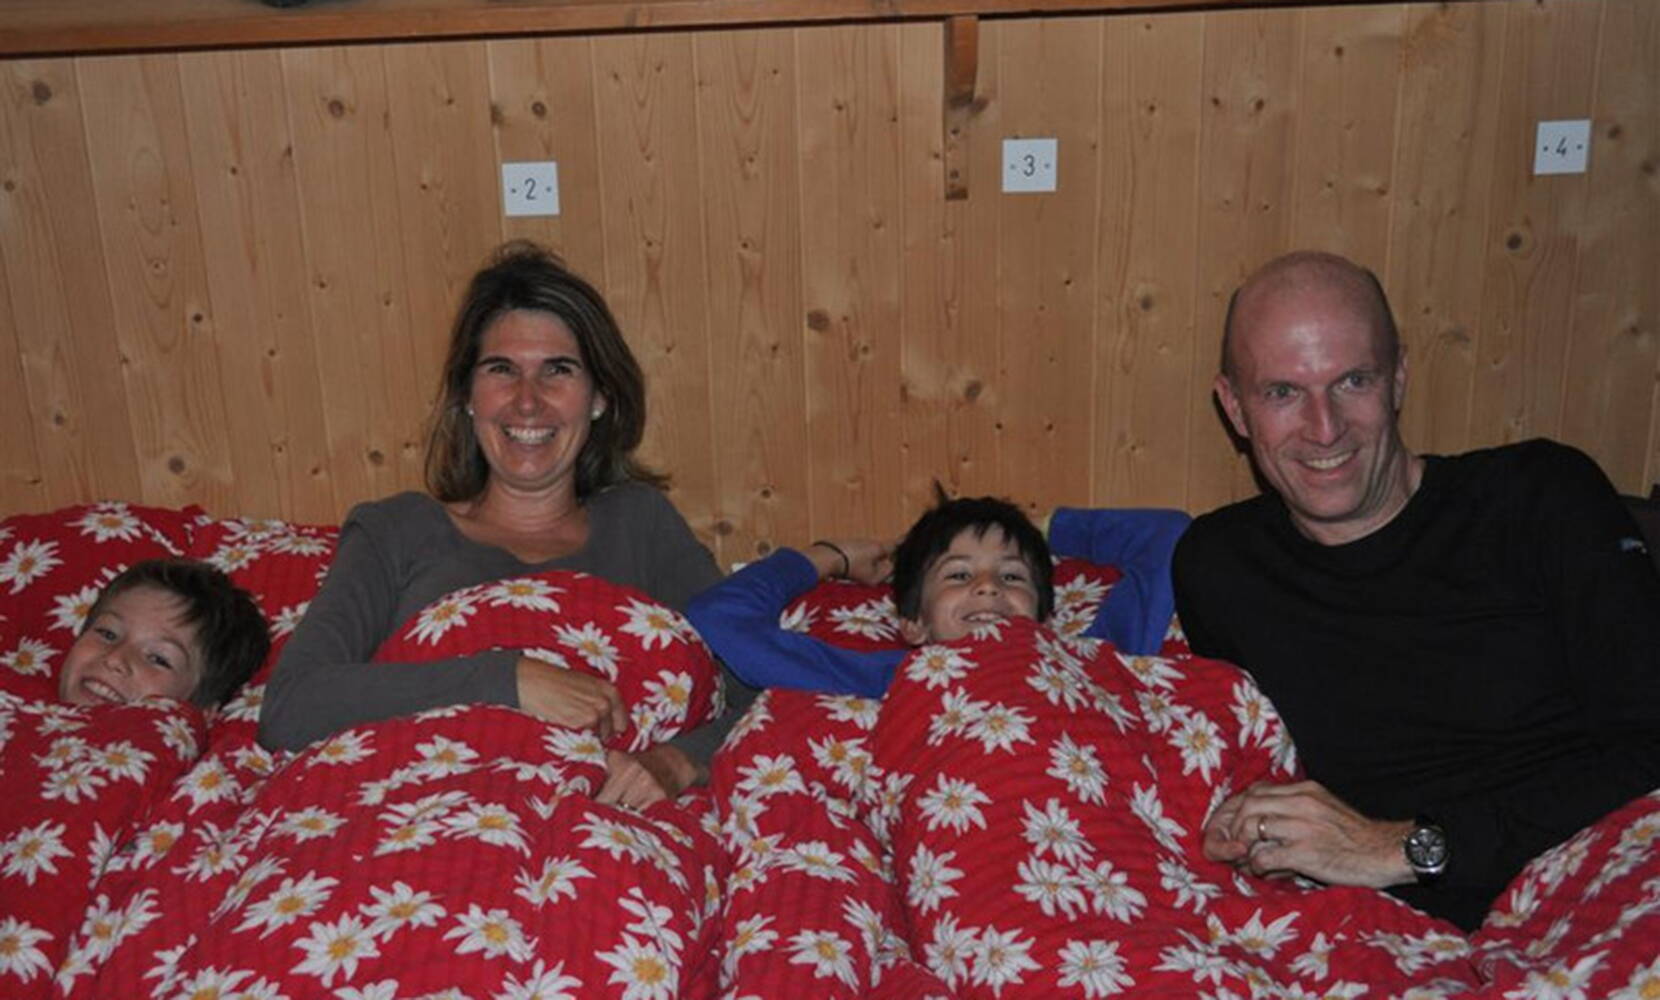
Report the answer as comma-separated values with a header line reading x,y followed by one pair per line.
x,y
738,617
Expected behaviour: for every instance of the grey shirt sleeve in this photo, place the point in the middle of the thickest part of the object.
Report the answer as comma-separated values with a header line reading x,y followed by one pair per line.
x,y
323,681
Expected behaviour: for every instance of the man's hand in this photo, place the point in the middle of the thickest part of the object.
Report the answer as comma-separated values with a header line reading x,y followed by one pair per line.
x,y
568,698
638,780
1303,829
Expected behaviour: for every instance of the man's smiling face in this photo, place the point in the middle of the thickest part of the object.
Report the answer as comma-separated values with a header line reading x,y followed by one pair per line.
x,y
1318,395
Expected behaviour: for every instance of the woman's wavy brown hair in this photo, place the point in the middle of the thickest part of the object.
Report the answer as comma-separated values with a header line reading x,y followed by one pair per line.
x,y
525,275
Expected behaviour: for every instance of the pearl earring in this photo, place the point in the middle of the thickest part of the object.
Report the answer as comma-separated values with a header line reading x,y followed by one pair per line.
x,y
469,410
595,414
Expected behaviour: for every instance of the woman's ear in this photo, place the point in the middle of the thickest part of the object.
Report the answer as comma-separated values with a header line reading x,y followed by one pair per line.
x,y
914,632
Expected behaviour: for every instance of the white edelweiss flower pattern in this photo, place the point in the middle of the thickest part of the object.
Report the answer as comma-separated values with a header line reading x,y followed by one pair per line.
x,y
31,658
69,610
1073,814
874,619
28,562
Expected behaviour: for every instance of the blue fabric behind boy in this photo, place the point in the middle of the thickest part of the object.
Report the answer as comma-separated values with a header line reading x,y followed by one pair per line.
x,y
738,617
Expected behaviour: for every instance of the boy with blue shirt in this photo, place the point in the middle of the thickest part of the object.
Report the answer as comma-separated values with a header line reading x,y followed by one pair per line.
x,y
964,564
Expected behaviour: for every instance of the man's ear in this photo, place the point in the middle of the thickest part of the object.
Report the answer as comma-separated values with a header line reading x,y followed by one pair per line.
x,y
913,631
1400,379
1230,405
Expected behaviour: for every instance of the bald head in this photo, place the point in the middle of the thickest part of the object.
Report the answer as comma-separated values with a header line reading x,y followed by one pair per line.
x,y
1306,274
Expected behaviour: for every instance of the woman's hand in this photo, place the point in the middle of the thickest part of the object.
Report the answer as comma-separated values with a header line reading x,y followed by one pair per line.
x,y
863,560
568,698
638,780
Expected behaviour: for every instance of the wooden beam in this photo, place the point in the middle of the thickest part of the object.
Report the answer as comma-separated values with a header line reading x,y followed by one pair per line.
x,y
962,71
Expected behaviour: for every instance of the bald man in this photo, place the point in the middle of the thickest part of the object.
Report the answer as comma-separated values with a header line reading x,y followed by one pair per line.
x,y
1466,649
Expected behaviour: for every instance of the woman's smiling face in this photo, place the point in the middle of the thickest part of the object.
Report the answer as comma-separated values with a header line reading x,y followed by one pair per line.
x,y
532,399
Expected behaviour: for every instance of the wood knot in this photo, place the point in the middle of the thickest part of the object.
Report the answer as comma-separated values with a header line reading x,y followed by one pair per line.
x,y
818,319
176,465
972,390
337,107
40,91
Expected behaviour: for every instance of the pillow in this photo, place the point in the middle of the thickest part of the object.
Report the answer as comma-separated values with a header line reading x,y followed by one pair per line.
x,y
76,780
863,617
660,666
281,565
52,567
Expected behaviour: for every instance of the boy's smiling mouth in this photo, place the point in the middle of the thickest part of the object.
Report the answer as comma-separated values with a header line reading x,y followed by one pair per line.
x,y
102,691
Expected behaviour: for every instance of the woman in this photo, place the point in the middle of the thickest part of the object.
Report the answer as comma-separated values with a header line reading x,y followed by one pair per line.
x,y
530,466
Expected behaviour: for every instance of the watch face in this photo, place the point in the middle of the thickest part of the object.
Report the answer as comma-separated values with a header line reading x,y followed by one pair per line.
x,y
1426,849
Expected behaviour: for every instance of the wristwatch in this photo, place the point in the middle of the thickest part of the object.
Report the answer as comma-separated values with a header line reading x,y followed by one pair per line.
x,y
1426,850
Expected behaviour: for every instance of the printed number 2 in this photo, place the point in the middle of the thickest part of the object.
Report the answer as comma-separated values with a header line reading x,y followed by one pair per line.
x,y
530,189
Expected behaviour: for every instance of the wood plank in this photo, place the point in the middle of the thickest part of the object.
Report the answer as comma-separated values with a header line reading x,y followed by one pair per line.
x,y
850,250
652,206
746,94
1443,165
1145,338
542,106
1611,367
1351,81
44,26
58,289
1533,236
242,164
357,287
1046,263
1245,194
948,348
447,187
164,321
22,487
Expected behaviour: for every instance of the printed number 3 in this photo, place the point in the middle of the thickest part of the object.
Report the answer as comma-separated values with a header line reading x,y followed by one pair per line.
x,y
1030,167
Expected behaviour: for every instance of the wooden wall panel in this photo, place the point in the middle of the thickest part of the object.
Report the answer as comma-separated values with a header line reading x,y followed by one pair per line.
x,y
1532,246
542,104
358,292
1145,335
242,162
152,241
247,261
1444,158
746,112
658,277
949,387
62,316
1347,98
1616,310
850,249
444,182
1050,85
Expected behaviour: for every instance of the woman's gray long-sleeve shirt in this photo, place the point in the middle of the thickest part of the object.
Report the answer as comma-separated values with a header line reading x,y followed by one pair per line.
x,y
399,554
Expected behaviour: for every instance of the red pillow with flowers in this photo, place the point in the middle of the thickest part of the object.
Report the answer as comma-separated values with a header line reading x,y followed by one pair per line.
x,y
863,617
660,666
52,567
281,565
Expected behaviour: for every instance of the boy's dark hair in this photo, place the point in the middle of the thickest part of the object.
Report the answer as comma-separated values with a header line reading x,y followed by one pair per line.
x,y
231,634
930,537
